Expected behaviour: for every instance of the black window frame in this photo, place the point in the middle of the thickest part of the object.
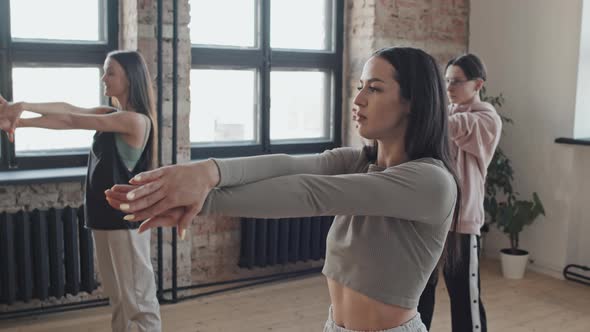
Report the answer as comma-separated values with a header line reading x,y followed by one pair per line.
x,y
50,53
264,59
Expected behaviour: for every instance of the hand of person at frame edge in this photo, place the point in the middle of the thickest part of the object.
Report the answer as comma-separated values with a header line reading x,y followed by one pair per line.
x,y
168,196
9,115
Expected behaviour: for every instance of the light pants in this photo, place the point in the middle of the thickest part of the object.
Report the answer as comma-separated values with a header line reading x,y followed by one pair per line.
x,y
128,278
413,325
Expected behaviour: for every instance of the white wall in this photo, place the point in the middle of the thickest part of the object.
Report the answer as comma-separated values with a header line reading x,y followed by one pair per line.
x,y
531,51
582,125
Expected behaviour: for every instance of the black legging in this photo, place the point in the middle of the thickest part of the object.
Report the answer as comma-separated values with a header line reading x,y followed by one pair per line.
x,y
463,287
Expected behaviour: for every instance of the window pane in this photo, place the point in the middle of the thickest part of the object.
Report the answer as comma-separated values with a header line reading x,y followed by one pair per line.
x,y
55,19
299,105
288,31
78,86
223,106
223,22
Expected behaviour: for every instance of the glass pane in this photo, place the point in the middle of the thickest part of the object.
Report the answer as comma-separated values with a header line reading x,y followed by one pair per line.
x,y
55,19
223,22
299,105
77,86
287,30
223,106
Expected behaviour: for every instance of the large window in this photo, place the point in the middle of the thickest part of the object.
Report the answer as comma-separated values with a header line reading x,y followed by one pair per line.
x,y
53,51
266,76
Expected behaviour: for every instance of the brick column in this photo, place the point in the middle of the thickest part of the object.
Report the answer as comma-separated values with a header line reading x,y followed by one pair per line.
x,y
138,31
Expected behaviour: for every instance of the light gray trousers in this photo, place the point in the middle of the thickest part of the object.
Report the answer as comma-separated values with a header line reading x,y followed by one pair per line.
x,y
128,279
413,325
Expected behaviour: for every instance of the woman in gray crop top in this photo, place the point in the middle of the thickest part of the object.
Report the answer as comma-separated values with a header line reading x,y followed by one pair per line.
x,y
394,201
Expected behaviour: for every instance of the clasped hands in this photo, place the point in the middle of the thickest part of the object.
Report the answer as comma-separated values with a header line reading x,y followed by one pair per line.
x,y
166,197
9,115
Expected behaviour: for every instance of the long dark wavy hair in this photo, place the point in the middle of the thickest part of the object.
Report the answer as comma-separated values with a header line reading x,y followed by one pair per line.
x,y
141,95
427,134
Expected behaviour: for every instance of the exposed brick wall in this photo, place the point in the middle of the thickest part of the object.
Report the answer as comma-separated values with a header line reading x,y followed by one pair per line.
x,y
43,196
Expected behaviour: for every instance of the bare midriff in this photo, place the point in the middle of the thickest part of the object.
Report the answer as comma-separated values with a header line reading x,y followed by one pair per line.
x,y
356,311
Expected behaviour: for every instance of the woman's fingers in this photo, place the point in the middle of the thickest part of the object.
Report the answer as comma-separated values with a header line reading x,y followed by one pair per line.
x,y
145,191
116,195
169,218
158,221
147,177
114,203
121,188
190,212
148,207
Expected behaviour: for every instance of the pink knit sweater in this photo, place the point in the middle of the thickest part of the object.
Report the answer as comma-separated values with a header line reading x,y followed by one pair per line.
x,y
475,131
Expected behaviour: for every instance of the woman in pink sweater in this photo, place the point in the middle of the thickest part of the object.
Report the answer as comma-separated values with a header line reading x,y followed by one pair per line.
x,y
475,128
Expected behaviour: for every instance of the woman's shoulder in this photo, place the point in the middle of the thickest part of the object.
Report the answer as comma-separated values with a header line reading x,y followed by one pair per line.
x,y
483,106
478,106
140,123
132,118
428,168
424,162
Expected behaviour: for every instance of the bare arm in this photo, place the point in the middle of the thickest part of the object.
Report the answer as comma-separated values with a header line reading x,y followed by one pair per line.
x,y
55,121
65,116
124,122
61,108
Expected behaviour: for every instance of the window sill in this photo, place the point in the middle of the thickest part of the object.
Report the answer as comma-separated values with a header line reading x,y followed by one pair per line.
x,y
42,176
573,141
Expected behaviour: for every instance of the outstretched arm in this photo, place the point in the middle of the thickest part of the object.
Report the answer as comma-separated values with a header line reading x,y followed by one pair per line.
x,y
244,170
415,191
62,108
189,184
119,122
66,116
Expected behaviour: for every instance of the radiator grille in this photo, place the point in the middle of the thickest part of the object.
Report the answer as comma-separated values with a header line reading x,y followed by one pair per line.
x,y
267,242
45,253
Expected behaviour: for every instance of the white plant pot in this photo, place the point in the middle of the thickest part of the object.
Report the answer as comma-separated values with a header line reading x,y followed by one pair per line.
x,y
513,266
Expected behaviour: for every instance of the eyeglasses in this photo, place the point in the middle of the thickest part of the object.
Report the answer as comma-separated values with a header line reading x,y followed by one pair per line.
x,y
456,82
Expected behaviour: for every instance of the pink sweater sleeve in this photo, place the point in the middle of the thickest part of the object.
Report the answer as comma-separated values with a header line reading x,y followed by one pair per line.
x,y
476,129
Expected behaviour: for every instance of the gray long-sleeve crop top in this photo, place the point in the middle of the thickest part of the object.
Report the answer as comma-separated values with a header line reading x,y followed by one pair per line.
x,y
390,225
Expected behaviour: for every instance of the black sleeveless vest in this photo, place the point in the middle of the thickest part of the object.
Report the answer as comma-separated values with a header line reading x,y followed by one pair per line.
x,y
105,169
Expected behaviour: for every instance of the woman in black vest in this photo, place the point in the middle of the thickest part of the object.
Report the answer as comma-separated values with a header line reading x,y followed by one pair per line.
x,y
124,145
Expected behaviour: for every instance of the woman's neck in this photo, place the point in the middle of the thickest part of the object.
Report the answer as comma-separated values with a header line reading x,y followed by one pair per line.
x,y
391,154
123,102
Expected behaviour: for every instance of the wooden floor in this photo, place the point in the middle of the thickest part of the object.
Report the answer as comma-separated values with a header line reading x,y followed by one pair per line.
x,y
536,303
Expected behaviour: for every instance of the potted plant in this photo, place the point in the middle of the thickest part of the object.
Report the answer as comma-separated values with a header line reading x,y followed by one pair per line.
x,y
503,207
